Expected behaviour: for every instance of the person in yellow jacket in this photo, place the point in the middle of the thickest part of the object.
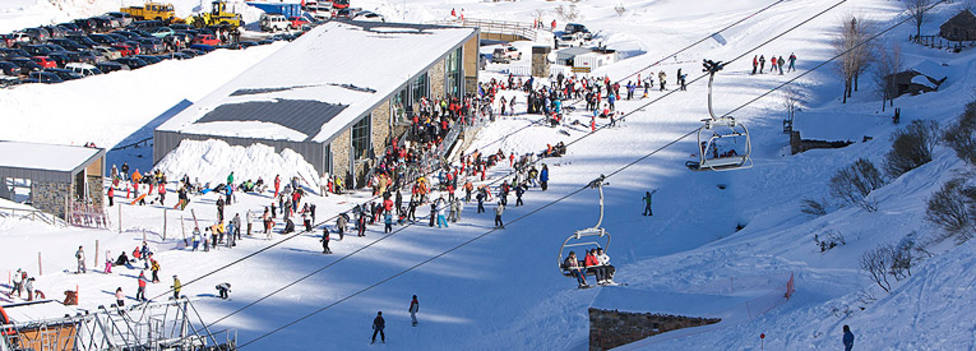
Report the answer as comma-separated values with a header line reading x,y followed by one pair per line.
x,y
176,287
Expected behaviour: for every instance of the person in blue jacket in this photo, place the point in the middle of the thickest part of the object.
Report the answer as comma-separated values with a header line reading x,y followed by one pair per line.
x,y
544,177
848,338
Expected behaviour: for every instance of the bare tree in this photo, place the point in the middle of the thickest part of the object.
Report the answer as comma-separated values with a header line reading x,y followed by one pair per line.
x,y
918,9
855,52
876,263
888,64
791,101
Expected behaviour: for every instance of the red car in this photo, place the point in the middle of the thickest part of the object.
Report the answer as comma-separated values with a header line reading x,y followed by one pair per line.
x,y
44,61
126,49
206,39
297,22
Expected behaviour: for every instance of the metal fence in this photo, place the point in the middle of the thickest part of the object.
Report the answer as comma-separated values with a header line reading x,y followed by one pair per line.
x,y
520,29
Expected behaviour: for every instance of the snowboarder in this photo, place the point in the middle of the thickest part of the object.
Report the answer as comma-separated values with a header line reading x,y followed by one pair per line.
x,y
177,286
325,240
378,325
848,338
647,202
498,215
223,290
80,256
414,308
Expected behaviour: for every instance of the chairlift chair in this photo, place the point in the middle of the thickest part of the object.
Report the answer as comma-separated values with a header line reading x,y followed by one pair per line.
x,y
720,128
593,237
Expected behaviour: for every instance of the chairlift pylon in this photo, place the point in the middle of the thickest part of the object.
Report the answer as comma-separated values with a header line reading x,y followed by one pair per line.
x,y
718,130
594,237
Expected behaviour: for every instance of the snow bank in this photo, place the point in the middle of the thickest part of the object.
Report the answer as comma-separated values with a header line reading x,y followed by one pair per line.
x,y
212,160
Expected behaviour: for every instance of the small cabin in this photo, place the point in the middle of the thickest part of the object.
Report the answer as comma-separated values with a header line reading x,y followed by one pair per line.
x,y
961,27
923,78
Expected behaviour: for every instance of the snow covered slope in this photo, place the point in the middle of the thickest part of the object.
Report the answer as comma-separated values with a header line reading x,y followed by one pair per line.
x,y
719,244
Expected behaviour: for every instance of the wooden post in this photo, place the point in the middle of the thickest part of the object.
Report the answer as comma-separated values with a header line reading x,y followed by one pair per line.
x,y
120,218
39,270
96,253
164,223
183,230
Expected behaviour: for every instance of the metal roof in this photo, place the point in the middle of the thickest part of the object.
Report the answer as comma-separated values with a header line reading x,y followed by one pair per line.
x,y
306,116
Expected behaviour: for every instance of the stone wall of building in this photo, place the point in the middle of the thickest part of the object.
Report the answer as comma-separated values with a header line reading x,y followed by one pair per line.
x,y
380,127
437,75
96,189
340,147
609,329
51,197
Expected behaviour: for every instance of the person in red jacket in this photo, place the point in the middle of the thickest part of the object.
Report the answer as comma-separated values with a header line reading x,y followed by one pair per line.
x,y
277,185
593,265
141,293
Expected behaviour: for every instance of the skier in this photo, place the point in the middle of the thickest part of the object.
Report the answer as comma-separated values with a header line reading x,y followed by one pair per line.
x,y
848,338
141,293
662,78
792,67
780,63
647,202
762,63
177,286
414,308
223,290
80,256
772,64
378,325
755,64
498,215
325,240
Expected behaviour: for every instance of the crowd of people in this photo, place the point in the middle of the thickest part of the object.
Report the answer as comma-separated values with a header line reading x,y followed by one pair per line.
x,y
775,64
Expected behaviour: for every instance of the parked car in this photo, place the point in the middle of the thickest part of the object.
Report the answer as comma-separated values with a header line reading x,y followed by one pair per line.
x,y
26,65
180,26
273,22
9,68
132,62
368,16
108,53
569,40
203,49
84,56
83,69
148,24
82,40
6,81
37,35
54,47
59,58
55,32
179,56
163,32
37,50
103,39
150,60
192,52
110,66
297,22
68,44
43,77
64,74
11,53
150,46
206,39
44,62
126,49
509,51
124,19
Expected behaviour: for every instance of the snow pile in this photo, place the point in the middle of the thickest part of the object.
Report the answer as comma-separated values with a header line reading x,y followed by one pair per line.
x,y
212,160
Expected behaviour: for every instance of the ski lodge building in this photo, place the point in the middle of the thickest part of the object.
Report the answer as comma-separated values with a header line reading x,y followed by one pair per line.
x,y
337,95
57,179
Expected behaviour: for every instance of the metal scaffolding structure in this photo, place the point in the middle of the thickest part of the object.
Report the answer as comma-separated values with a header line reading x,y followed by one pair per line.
x,y
155,326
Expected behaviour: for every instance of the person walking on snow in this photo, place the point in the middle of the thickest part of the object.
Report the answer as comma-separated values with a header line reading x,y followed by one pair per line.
x,y
780,62
755,63
498,215
378,325
762,63
414,308
647,202
792,66
80,256
325,240
441,212
848,338
388,222
544,177
141,293
18,283
177,286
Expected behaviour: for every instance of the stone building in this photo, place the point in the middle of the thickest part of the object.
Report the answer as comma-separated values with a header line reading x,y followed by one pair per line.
x,y
961,27
337,95
52,178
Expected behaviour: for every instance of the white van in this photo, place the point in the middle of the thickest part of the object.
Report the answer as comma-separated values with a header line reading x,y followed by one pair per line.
x,y
83,69
320,11
274,22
